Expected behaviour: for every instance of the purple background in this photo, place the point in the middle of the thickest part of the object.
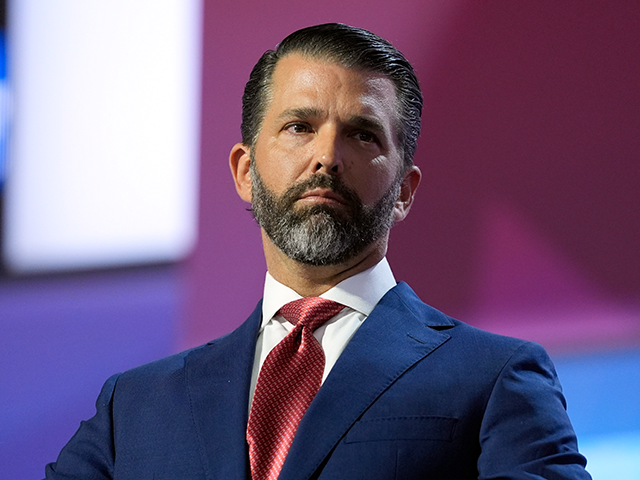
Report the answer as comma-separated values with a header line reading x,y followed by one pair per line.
x,y
526,223
530,201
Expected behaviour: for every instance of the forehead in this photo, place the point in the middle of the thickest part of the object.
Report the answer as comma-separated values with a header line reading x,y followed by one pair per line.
x,y
299,80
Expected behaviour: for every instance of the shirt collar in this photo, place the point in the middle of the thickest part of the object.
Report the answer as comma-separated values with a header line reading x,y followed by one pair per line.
x,y
361,292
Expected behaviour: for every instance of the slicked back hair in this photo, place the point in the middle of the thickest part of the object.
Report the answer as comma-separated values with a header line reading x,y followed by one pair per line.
x,y
349,47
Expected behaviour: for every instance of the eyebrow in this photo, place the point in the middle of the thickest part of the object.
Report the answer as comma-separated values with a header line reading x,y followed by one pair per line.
x,y
366,123
302,113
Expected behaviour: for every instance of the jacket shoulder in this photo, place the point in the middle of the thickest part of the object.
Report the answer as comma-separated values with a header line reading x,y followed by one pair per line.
x,y
467,338
213,350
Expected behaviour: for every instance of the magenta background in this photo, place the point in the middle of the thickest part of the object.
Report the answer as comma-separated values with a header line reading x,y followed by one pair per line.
x,y
527,221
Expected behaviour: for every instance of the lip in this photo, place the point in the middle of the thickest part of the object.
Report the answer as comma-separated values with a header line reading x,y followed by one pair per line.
x,y
321,195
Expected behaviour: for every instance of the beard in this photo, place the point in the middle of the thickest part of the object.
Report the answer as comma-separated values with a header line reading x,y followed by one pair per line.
x,y
321,235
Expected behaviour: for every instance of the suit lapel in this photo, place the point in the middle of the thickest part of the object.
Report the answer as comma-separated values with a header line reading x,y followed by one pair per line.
x,y
218,378
393,338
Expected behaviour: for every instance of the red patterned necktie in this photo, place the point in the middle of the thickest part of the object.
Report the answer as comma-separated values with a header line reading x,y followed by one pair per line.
x,y
289,379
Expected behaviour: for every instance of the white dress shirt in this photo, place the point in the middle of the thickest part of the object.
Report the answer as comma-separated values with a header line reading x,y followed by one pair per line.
x,y
359,293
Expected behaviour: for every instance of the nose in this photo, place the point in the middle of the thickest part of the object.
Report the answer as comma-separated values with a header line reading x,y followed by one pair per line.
x,y
329,153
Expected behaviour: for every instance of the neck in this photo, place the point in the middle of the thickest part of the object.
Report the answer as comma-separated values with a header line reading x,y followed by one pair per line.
x,y
312,281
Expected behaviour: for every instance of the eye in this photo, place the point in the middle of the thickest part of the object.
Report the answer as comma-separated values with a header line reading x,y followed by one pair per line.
x,y
366,137
298,127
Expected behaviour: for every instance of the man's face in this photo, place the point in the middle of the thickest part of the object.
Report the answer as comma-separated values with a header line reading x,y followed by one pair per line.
x,y
326,165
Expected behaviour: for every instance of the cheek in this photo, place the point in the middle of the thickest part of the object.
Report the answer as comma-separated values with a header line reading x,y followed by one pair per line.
x,y
279,167
373,184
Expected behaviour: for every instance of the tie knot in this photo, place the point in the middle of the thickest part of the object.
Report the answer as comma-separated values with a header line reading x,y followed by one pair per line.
x,y
310,311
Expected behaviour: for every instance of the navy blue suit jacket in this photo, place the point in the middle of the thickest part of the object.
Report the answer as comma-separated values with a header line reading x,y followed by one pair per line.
x,y
415,394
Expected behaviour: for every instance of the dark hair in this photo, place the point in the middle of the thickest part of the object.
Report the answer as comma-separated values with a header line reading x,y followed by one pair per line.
x,y
350,47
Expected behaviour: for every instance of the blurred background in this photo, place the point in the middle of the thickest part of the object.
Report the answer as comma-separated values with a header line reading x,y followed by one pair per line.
x,y
123,239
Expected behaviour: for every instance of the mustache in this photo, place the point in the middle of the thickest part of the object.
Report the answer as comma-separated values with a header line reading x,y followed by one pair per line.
x,y
320,180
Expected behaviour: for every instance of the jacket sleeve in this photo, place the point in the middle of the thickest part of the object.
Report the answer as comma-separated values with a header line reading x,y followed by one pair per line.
x,y
90,453
525,432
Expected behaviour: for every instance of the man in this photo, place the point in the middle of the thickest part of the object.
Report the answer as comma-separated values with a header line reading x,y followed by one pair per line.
x,y
330,122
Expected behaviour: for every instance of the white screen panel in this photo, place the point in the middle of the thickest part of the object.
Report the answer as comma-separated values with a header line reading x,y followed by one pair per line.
x,y
103,146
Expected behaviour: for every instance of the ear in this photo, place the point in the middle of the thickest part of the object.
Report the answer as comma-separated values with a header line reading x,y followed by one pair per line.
x,y
408,189
240,163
